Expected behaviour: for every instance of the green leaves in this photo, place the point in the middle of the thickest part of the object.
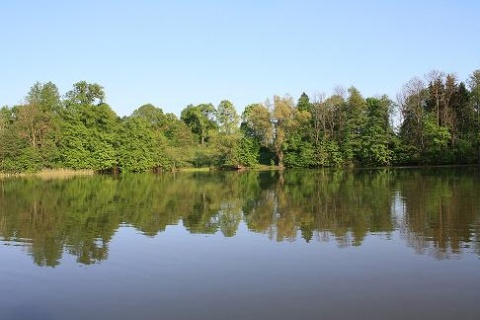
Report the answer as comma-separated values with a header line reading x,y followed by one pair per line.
x,y
227,117
200,119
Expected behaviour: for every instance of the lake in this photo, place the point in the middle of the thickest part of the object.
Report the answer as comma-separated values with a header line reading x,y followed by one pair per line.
x,y
319,244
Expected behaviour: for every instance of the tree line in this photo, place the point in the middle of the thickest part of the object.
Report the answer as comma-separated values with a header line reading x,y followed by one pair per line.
x,y
434,120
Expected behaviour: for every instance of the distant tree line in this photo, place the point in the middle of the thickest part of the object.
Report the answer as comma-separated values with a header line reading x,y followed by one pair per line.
x,y
435,120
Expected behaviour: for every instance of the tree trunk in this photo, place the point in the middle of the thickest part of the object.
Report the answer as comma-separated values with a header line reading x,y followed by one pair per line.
x,y
280,158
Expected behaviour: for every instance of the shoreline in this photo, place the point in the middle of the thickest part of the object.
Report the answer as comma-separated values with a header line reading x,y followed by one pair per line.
x,y
49,173
67,173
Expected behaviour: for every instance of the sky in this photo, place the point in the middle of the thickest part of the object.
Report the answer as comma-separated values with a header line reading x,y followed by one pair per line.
x,y
176,53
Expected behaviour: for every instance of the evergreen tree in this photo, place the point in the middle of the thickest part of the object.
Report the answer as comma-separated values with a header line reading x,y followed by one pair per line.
x,y
355,113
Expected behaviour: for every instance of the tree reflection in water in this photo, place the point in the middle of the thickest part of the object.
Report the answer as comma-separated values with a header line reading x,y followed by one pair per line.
x,y
436,211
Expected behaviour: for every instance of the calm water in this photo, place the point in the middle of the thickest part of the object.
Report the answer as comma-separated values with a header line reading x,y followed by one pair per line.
x,y
366,244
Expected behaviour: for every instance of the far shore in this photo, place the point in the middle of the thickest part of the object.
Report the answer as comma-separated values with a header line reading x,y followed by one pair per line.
x,y
50,173
67,173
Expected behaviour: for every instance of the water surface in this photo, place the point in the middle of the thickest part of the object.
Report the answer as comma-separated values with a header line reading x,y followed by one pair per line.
x,y
326,244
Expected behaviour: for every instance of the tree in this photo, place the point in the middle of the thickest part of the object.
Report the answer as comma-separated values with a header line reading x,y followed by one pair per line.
x,y
441,96
411,101
465,135
32,127
152,115
436,88
303,103
326,124
11,144
227,118
283,119
140,148
355,114
200,119
378,134
257,124
89,129
37,121
235,151
298,148
84,93
474,85
177,132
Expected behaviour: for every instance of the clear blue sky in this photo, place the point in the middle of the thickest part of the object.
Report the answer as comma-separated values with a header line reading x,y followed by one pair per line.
x,y
173,53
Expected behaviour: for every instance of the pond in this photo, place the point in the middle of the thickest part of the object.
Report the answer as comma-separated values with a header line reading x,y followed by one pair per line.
x,y
319,244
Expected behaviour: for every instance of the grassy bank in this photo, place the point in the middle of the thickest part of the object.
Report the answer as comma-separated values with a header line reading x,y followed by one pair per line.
x,y
50,173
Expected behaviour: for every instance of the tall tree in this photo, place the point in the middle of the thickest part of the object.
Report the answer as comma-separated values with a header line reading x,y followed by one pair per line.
x,y
411,101
177,132
257,128
11,144
436,88
325,125
234,151
284,120
303,103
257,124
152,115
89,129
227,118
34,127
378,134
474,85
464,115
37,120
84,93
356,118
200,119
141,148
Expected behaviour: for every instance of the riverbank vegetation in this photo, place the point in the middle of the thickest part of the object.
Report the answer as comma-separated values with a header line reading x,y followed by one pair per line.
x,y
433,120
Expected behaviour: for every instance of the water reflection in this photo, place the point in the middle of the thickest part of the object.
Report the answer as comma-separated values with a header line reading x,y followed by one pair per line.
x,y
436,211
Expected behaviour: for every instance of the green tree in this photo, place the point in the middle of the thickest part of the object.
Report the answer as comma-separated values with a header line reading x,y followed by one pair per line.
x,y
200,119
299,149
235,149
257,126
141,148
84,93
326,126
30,130
89,129
227,118
152,115
356,119
464,136
377,135
474,85
16,155
303,103
411,101
38,121
177,132
287,120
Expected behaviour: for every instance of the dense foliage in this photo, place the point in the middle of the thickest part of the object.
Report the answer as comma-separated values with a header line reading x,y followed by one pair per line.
x,y
435,120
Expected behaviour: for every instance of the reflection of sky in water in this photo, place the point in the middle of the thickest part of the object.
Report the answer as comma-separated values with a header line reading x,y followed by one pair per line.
x,y
398,209
184,276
